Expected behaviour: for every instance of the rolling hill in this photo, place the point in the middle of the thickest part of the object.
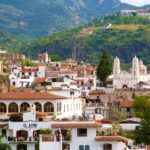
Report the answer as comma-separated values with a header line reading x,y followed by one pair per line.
x,y
38,18
128,36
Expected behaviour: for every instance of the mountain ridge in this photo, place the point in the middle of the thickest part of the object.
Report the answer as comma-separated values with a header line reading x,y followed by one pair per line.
x,y
38,18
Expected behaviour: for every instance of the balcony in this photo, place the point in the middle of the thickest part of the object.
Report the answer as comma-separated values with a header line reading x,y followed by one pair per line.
x,y
22,139
64,138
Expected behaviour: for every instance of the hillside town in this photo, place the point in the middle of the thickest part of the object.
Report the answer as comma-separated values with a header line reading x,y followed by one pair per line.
x,y
62,105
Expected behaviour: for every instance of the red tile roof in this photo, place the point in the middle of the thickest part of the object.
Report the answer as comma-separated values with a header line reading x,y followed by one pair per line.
x,y
75,125
29,96
126,103
111,138
40,80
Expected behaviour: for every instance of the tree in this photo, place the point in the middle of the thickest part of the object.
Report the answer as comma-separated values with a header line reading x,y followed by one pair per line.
x,y
142,109
141,103
116,115
55,58
104,67
143,134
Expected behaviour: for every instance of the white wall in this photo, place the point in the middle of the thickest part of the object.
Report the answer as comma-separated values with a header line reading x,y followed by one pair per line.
x,y
16,126
129,126
50,146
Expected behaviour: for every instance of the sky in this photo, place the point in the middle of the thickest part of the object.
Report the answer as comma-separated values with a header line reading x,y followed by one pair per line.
x,y
137,2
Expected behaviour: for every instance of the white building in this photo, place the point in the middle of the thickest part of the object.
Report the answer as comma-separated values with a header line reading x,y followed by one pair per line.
x,y
25,134
25,76
80,135
125,79
51,104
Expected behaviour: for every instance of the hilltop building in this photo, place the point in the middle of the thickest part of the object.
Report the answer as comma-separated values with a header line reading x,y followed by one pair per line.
x,y
43,58
130,79
11,57
138,12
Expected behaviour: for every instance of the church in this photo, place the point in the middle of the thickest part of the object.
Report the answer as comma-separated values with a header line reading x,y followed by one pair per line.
x,y
137,75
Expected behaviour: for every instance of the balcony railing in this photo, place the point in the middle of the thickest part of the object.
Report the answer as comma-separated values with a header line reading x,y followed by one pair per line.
x,y
64,138
23,139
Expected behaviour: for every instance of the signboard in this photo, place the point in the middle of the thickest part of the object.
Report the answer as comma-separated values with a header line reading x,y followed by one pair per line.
x,y
30,125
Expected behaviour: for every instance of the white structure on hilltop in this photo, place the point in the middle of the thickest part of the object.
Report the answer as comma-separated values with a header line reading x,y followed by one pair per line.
x,y
131,79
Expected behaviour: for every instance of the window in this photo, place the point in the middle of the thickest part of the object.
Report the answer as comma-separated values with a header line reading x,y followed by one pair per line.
x,y
81,147
13,107
14,83
60,106
24,107
2,108
49,107
71,93
3,132
87,147
128,109
82,132
98,111
38,106
107,147
89,88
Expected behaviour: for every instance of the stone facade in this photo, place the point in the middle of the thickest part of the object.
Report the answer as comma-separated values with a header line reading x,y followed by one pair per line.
x,y
130,79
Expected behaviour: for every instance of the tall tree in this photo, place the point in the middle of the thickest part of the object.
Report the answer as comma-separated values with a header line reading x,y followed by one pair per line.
x,y
104,67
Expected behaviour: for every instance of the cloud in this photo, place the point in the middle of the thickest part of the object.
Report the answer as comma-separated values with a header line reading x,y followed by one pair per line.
x,y
137,2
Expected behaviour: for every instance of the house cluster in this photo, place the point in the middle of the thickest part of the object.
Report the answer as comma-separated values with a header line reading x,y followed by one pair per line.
x,y
136,12
61,106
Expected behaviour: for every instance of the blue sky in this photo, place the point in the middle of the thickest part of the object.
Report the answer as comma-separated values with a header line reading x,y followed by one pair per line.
x,y
137,2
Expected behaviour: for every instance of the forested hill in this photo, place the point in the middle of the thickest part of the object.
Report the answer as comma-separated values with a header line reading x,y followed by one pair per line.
x,y
38,18
128,36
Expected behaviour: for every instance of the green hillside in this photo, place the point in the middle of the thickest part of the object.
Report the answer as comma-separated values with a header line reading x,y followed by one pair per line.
x,y
128,36
38,18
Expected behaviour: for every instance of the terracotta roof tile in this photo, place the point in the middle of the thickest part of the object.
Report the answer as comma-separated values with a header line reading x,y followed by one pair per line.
x,y
126,103
29,96
111,138
75,125
40,80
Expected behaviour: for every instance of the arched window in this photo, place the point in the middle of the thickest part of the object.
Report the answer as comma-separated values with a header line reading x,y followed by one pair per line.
x,y
48,107
2,108
81,147
13,107
87,147
24,107
107,146
38,106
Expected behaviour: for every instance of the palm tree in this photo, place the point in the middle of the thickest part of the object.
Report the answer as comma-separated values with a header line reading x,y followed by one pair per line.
x,y
115,129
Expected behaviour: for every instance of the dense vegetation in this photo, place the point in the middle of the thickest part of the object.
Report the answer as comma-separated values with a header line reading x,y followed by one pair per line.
x,y
127,37
142,110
